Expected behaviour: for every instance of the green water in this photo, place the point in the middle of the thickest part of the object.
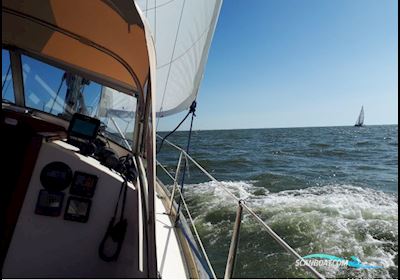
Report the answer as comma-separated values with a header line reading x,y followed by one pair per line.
x,y
326,190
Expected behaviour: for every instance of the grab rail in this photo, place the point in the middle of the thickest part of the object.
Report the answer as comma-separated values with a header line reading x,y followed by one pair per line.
x,y
241,205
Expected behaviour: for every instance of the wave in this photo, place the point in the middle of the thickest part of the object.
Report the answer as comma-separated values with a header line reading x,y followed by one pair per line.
x,y
275,182
341,220
364,143
319,145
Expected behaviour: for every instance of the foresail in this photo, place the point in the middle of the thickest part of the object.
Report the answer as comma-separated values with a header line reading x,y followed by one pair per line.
x,y
116,104
117,111
182,32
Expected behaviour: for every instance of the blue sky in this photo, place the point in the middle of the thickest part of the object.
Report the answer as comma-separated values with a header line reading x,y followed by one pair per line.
x,y
291,63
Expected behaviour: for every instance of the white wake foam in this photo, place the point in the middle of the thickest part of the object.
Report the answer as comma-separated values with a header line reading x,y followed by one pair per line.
x,y
340,220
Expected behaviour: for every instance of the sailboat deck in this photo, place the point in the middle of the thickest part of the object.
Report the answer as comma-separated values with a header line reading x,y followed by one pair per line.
x,y
169,258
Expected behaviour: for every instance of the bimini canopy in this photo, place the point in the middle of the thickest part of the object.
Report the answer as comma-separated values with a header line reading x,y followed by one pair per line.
x,y
105,40
182,31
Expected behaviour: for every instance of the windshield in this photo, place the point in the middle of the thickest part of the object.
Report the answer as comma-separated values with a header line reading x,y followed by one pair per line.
x,y
7,90
61,93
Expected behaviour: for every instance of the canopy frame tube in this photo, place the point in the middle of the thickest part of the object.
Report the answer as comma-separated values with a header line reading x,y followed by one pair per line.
x,y
17,77
84,41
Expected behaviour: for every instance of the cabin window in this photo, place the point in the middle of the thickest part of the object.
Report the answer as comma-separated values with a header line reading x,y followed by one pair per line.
x,y
7,89
55,91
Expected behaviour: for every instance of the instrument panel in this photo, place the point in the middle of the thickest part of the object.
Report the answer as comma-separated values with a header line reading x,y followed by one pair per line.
x,y
56,177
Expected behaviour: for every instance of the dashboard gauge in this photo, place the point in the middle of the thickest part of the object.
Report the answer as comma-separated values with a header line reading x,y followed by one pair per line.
x,y
49,203
77,209
56,176
83,184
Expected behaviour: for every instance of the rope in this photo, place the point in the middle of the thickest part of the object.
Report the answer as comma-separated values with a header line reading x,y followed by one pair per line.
x,y
185,164
116,230
192,110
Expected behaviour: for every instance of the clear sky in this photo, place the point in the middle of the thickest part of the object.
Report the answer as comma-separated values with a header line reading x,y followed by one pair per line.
x,y
290,63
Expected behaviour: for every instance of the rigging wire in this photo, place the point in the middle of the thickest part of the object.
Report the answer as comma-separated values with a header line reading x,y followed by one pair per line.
x,y
155,21
58,92
95,104
6,78
8,84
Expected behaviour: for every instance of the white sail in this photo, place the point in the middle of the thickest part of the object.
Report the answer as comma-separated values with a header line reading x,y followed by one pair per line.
x,y
117,111
360,119
182,32
116,104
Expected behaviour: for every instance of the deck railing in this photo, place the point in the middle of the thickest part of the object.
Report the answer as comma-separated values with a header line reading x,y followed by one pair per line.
x,y
236,230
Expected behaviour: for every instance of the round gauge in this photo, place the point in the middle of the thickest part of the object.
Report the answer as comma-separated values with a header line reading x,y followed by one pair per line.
x,y
56,176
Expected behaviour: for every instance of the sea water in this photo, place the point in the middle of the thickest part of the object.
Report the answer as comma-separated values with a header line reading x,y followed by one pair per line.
x,y
327,190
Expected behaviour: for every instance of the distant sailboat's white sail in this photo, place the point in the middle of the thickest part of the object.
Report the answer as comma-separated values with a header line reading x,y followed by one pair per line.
x,y
182,32
360,119
116,104
117,111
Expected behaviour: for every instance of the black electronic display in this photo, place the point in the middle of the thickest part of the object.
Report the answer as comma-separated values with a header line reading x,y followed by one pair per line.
x,y
77,209
83,127
83,184
49,203
56,176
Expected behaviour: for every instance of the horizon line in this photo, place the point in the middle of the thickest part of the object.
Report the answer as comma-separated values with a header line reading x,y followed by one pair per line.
x,y
254,128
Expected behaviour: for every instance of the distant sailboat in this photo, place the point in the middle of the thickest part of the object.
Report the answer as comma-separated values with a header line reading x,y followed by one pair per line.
x,y
360,119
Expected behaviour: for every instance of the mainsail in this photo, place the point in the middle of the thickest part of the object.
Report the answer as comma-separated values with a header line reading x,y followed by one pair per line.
x,y
182,32
360,119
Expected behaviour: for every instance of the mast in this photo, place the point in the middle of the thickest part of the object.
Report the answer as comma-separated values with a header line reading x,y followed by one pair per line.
x,y
74,101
